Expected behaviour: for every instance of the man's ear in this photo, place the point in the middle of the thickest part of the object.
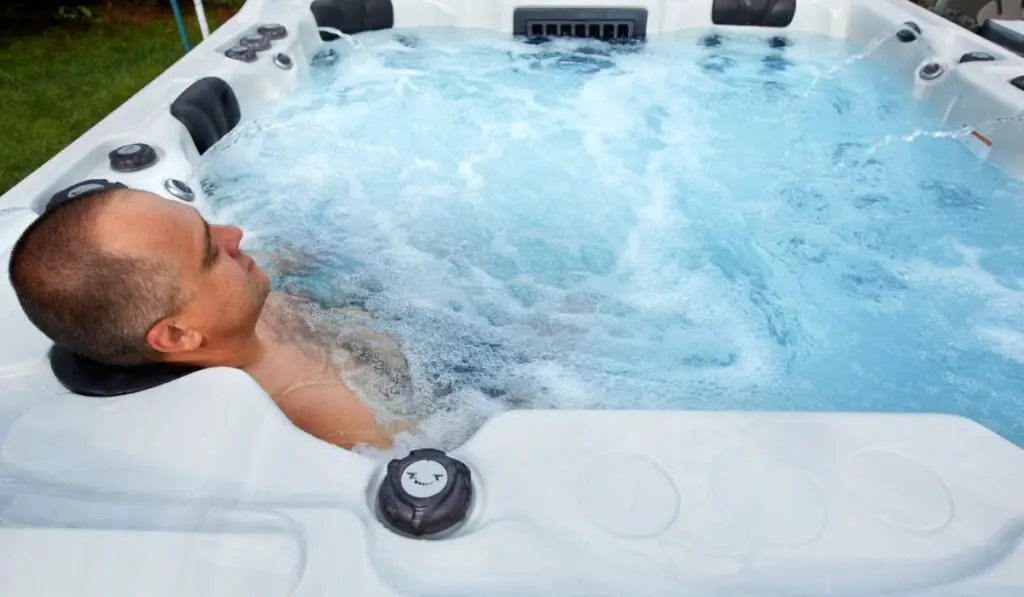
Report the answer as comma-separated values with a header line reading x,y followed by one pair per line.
x,y
168,337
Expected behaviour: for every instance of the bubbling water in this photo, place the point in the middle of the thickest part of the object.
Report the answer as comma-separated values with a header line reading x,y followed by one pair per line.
x,y
658,226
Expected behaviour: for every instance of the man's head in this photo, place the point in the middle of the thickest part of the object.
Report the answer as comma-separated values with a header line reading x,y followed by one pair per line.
x,y
126,277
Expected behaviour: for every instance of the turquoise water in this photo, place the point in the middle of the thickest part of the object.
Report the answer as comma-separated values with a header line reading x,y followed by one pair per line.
x,y
658,226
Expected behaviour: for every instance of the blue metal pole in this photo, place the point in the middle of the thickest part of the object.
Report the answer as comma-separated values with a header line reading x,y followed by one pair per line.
x,y
181,25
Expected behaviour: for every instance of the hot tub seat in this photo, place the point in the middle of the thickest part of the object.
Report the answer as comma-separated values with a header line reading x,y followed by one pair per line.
x,y
198,484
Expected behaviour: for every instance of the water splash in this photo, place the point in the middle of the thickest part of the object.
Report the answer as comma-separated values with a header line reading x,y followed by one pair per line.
x,y
964,132
345,36
909,138
872,46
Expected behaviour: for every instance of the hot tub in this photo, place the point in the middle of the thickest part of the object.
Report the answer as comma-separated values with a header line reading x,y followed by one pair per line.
x,y
201,486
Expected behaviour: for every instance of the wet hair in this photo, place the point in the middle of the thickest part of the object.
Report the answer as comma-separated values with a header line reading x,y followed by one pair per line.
x,y
88,300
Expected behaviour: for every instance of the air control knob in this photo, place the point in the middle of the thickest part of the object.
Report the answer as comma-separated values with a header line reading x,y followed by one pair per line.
x,y
424,494
256,41
79,189
240,52
129,158
272,31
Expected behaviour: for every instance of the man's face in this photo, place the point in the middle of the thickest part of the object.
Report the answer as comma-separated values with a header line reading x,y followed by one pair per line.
x,y
225,286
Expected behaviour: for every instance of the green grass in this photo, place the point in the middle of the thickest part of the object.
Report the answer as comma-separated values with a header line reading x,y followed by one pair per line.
x,y
55,85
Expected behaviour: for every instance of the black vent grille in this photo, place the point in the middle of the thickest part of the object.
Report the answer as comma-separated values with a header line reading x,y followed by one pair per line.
x,y
596,30
594,23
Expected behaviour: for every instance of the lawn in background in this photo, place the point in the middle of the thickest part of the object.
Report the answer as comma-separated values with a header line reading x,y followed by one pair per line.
x,y
57,84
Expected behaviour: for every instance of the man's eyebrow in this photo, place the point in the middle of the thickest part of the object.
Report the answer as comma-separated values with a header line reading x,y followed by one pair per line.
x,y
208,253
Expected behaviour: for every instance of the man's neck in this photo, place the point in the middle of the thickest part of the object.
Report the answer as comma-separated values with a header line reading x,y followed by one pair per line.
x,y
240,353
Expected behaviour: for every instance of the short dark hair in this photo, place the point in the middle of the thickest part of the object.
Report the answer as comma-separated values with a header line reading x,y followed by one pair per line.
x,y
83,298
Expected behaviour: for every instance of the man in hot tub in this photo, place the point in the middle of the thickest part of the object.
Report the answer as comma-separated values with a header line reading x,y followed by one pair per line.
x,y
126,277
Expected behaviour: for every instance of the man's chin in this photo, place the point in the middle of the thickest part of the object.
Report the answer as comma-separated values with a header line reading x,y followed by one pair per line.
x,y
261,279
262,285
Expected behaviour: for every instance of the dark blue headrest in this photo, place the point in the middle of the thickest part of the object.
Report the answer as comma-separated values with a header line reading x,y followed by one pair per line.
x,y
88,378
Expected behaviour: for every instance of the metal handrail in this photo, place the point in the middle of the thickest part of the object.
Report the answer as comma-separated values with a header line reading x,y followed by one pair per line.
x,y
181,25
204,26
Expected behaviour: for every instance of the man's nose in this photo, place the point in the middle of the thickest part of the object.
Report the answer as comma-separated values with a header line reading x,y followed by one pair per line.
x,y
232,238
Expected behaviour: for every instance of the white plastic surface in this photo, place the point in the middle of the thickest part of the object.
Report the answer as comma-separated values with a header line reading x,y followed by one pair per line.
x,y
203,487
594,503
162,564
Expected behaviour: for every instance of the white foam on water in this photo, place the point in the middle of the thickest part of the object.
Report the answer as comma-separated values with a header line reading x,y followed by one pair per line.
x,y
1008,342
572,225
